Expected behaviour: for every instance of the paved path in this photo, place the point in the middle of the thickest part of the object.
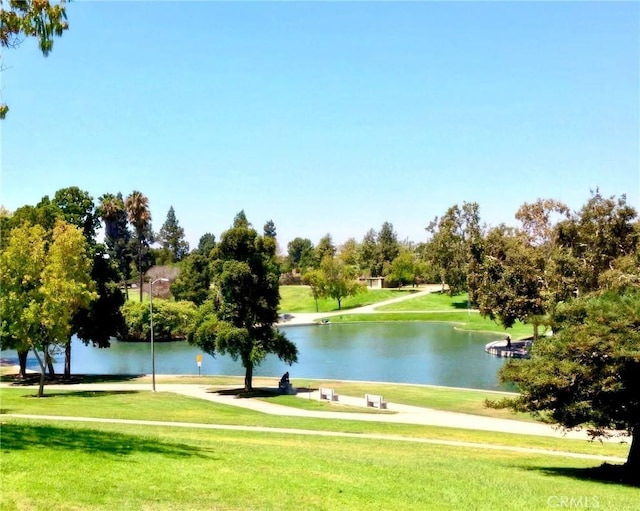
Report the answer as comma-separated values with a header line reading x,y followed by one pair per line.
x,y
403,414
309,318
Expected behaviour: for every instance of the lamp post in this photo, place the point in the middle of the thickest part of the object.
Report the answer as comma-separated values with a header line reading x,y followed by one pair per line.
x,y
153,355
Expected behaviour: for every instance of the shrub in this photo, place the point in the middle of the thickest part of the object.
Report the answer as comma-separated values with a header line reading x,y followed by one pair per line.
x,y
170,319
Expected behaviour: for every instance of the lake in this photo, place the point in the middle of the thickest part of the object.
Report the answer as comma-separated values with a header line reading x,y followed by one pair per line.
x,y
400,352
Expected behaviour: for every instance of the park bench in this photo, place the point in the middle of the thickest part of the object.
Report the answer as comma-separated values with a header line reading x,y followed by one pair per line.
x,y
375,401
328,394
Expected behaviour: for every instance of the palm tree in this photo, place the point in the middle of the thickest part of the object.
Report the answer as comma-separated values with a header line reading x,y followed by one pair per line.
x,y
108,209
111,211
137,206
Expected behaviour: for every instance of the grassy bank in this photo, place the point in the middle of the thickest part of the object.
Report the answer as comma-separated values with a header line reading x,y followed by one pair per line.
x,y
104,467
299,299
439,398
70,466
165,406
463,320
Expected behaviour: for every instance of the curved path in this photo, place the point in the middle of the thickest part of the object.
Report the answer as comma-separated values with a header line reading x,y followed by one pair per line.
x,y
308,318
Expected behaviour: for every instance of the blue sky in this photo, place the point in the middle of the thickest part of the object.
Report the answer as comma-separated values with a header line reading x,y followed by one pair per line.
x,y
328,117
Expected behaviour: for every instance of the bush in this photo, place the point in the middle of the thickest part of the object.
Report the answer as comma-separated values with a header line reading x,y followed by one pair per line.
x,y
170,320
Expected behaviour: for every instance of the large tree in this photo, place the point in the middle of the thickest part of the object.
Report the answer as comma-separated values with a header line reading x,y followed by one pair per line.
x,y
599,233
387,248
245,276
139,215
42,286
301,254
31,18
171,237
194,280
447,250
588,372
117,236
512,283
339,280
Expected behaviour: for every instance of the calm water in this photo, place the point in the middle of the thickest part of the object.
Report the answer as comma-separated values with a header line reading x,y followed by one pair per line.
x,y
412,352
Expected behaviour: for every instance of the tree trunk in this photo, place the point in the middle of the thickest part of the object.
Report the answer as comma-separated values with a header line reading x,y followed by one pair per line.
x,y
49,362
22,361
42,371
339,305
248,378
633,461
67,359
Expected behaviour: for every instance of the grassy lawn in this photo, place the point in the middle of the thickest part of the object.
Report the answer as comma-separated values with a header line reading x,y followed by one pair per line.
x,y
299,299
104,467
165,406
465,321
439,398
435,301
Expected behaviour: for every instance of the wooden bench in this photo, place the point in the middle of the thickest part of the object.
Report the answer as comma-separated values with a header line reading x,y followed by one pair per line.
x,y
375,401
328,394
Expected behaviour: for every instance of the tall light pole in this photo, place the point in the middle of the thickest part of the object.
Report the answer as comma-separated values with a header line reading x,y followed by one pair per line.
x,y
153,355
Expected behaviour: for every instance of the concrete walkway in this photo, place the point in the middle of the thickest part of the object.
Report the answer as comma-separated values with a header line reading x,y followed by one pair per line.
x,y
400,414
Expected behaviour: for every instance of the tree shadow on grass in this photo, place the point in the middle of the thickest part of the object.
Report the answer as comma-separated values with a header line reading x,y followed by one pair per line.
x,y
605,473
74,379
240,393
262,392
17,437
86,393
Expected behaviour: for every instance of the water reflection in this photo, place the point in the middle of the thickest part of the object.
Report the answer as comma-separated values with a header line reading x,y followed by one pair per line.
x,y
403,352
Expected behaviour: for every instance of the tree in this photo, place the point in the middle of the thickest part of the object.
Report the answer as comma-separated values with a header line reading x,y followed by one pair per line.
x,y
102,320
245,276
206,244
194,281
31,18
269,229
301,253
588,372
403,269
348,252
325,248
512,282
316,282
78,209
117,235
137,207
339,280
367,254
387,248
602,231
43,286
171,237
448,251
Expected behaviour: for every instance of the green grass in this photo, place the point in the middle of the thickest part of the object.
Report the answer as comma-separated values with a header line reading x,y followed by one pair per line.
x,y
435,301
464,321
299,299
66,466
73,466
164,406
439,398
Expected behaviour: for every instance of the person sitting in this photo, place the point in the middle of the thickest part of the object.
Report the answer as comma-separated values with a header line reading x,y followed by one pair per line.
x,y
284,382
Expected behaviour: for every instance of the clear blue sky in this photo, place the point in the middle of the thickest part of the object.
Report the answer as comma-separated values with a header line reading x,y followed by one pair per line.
x,y
328,117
